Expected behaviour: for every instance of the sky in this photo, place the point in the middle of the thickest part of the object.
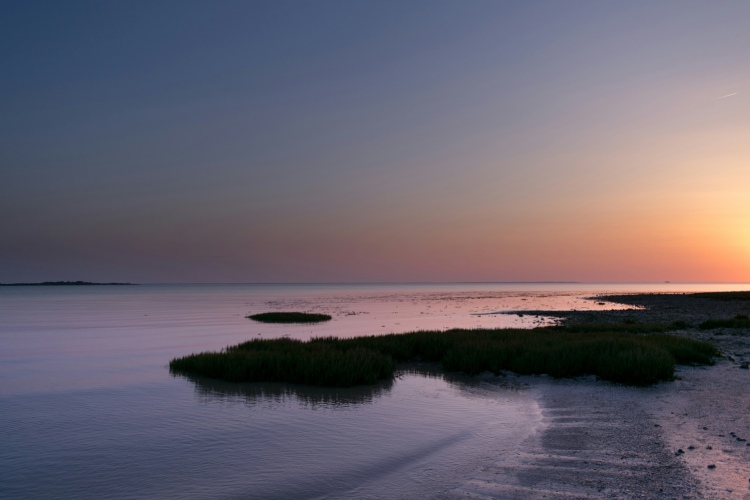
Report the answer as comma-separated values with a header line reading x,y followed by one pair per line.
x,y
374,141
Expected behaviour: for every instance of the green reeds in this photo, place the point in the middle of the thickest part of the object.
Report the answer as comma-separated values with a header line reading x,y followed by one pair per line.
x,y
289,317
285,360
739,321
632,359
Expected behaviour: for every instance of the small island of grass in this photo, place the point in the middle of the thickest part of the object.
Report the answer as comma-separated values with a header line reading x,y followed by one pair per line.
x,y
605,351
289,317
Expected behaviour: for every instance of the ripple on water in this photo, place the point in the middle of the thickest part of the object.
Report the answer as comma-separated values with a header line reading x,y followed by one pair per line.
x,y
423,433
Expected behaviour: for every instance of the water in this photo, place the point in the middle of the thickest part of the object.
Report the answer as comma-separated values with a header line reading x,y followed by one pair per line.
x,y
88,408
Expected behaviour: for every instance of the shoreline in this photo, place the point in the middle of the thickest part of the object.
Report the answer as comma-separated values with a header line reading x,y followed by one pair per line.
x,y
599,439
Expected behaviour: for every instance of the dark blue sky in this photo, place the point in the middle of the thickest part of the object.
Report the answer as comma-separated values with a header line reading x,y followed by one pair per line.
x,y
352,140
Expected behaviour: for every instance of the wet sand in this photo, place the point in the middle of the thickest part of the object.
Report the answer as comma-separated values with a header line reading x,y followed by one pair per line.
x,y
600,440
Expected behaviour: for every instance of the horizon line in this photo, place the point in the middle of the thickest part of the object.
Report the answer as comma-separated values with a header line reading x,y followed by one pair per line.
x,y
455,283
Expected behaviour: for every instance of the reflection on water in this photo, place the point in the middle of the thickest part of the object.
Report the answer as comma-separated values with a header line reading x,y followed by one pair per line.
x,y
313,397
333,398
424,432
412,438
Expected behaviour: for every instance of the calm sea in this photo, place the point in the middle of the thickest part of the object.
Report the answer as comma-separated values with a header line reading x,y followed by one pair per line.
x,y
88,408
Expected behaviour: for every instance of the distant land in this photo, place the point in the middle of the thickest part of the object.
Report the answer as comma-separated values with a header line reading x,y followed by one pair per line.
x,y
63,283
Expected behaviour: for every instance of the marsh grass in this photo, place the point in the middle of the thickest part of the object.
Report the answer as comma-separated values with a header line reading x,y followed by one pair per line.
x,y
285,360
739,321
722,295
289,317
618,356
627,326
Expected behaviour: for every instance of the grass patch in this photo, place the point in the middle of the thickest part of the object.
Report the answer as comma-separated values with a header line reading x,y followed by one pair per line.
x,y
627,326
739,321
722,295
289,317
286,360
616,356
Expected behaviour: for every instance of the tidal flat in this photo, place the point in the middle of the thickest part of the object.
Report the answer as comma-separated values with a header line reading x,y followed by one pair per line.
x,y
88,408
684,439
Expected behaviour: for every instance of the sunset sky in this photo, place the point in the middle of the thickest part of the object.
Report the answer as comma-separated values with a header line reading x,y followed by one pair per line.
x,y
349,141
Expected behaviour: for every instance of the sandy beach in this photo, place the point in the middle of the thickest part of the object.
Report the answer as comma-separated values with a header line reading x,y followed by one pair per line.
x,y
680,439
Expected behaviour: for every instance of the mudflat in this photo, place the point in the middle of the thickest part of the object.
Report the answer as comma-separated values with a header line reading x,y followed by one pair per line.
x,y
688,438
